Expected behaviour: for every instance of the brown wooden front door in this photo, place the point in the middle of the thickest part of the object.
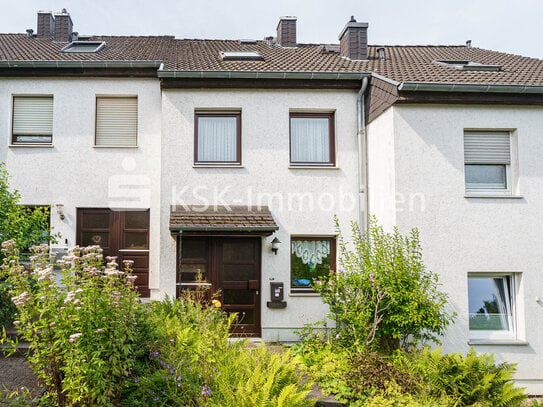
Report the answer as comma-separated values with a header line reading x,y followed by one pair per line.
x,y
124,234
230,268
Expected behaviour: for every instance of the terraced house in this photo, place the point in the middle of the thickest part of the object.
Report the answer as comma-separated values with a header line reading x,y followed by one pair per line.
x,y
227,159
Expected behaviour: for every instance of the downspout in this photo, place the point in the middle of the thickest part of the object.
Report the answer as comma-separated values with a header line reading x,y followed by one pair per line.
x,y
362,158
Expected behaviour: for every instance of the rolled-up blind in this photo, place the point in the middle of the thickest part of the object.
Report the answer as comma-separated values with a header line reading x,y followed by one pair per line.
x,y
483,147
33,115
116,121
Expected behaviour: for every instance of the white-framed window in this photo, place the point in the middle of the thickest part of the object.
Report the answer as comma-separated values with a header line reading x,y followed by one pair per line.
x,y
487,162
492,306
116,121
32,121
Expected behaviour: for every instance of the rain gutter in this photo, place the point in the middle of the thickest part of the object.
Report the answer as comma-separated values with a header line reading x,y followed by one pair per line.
x,y
466,87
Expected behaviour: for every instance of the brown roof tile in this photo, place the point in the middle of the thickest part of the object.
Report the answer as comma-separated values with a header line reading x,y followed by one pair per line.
x,y
17,47
222,218
402,64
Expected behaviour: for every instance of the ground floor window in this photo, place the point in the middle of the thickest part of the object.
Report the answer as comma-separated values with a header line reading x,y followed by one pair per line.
x,y
311,258
491,306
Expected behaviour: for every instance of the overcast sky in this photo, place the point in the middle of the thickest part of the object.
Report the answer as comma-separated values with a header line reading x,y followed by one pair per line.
x,y
504,25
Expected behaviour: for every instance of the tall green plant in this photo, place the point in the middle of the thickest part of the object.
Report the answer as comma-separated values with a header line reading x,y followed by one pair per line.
x,y
383,296
84,337
25,227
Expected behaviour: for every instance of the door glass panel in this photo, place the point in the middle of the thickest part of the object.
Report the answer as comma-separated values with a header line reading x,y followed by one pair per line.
x,y
245,316
238,272
241,297
96,221
238,251
194,249
136,220
190,272
135,240
95,238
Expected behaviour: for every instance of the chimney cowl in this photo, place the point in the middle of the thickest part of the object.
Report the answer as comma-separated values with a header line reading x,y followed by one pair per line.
x,y
468,44
381,53
353,40
29,33
286,31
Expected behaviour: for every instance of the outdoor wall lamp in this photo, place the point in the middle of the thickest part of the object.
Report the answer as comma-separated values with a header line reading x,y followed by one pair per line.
x,y
275,245
60,211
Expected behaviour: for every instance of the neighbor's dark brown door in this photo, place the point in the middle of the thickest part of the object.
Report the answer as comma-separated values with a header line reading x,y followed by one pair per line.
x,y
124,234
230,268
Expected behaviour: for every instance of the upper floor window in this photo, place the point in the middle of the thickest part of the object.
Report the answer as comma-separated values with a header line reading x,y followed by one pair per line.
x,y
116,121
312,139
217,138
487,161
32,120
491,303
311,258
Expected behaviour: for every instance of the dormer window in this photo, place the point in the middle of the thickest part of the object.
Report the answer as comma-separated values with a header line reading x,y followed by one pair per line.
x,y
77,47
467,65
240,56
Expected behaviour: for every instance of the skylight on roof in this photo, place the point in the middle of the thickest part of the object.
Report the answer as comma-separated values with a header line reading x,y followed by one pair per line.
x,y
467,65
84,46
240,56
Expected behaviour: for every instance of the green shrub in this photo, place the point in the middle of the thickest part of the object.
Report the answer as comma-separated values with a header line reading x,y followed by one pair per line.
x,y
26,227
470,380
384,297
195,364
84,338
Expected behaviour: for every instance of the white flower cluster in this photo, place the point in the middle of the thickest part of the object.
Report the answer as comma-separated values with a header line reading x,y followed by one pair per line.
x,y
44,274
75,337
21,299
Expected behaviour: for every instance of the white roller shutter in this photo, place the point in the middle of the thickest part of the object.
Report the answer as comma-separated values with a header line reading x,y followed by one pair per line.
x,y
482,147
32,116
116,121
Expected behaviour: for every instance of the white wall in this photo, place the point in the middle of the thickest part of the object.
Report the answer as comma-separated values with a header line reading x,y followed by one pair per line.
x,y
461,235
381,169
73,172
265,169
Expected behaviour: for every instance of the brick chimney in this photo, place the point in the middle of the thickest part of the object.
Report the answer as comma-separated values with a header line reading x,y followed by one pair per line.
x,y
286,31
353,40
63,26
46,25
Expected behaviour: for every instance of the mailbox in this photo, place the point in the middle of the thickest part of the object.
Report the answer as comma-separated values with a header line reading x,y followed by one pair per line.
x,y
276,295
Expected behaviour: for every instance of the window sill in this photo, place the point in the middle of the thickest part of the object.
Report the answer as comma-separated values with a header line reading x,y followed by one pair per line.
x,y
498,342
115,146
493,196
304,294
217,166
313,167
30,145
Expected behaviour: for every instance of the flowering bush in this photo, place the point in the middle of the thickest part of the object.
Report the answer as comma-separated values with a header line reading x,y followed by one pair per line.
x,y
83,335
384,297
26,227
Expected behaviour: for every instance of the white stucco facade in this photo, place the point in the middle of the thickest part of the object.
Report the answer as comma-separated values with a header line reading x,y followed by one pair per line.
x,y
423,149
263,178
415,179
73,172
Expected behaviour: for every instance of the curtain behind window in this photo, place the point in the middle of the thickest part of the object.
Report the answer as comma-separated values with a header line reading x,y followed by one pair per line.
x,y
217,139
310,139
